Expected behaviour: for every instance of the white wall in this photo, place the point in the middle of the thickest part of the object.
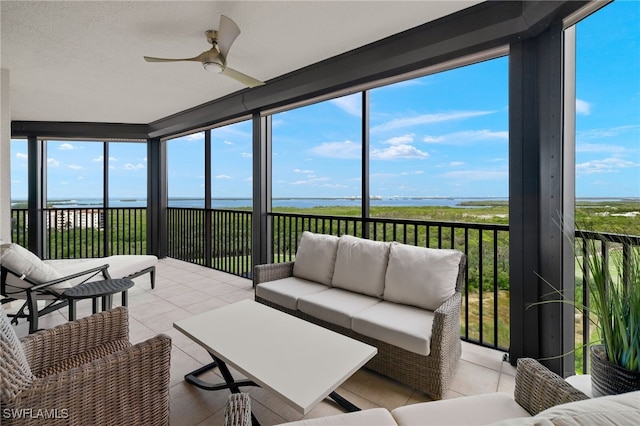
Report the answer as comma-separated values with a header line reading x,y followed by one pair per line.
x,y
5,157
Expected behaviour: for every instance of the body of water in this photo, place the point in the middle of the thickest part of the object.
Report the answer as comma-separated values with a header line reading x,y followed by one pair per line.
x,y
230,203
222,203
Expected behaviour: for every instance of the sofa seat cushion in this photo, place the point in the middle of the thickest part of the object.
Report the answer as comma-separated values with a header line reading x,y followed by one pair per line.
x,y
469,410
404,326
420,276
618,410
335,305
371,417
361,265
316,257
120,266
286,291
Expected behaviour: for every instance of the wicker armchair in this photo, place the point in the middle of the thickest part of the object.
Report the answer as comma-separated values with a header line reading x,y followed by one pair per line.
x,y
84,372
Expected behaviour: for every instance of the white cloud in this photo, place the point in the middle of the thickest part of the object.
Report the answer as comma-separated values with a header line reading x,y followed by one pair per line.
x,y
223,177
310,181
398,151
52,162
345,150
456,163
608,132
399,123
75,166
351,104
476,175
467,137
99,159
246,155
583,107
306,171
66,147
401,140
607,165
227,143
21,156
598,147
129,166
415,172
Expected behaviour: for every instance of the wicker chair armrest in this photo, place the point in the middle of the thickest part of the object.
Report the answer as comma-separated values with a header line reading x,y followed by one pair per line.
x,y
48,347
272,272
128,387
237,412
445,331
538,388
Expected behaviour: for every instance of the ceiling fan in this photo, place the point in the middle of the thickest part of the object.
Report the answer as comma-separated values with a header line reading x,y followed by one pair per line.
x,y
215,59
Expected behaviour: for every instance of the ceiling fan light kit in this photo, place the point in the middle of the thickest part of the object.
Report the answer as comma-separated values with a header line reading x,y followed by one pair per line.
x,y
215,59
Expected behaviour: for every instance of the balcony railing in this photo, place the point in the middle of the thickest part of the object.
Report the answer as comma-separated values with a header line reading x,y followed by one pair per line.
x,y
86,232
221,239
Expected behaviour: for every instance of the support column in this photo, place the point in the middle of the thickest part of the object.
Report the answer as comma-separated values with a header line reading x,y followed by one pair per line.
x,y
5,157
261,246
366,199
541,197
157,197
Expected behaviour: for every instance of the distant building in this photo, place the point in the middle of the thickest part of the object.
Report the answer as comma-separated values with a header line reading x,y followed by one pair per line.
x,y
67,219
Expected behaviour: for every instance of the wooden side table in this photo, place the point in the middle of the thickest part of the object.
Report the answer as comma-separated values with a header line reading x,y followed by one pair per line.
x,y
95,289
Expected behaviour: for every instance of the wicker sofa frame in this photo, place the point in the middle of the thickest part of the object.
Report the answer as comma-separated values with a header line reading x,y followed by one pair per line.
x,y
430,374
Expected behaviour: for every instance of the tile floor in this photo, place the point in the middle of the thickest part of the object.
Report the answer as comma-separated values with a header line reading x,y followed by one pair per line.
x,y
183,289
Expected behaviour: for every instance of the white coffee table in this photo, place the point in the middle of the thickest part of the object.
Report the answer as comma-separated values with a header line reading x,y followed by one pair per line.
x,y
299,361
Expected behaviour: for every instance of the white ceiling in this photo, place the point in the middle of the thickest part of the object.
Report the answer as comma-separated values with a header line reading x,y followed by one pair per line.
x,y
82,60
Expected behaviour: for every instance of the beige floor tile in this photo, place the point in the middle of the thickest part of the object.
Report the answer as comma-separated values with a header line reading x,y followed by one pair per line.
x,y
472,379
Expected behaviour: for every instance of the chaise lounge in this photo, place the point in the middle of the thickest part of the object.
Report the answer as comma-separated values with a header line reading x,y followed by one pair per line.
x,y
24,276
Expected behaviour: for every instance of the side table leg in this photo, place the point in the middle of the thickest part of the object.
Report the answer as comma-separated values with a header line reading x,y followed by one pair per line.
x,y
72,310
94,303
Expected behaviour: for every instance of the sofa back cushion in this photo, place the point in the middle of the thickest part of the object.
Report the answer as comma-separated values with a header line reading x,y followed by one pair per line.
x,y
421,277
316,257
361,265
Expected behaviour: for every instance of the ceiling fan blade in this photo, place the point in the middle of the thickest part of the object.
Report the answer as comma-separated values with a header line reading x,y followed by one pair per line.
x,y
242,78
228,31
198,58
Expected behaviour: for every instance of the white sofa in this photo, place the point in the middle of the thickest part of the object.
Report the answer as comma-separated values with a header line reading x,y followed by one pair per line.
x,y
404,300
24,276
541,398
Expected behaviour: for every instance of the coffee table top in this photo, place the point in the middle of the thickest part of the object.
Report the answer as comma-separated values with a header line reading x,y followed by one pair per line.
x,y
297,360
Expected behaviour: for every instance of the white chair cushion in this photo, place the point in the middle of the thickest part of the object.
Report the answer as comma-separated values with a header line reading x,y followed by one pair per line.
x,y
361,265
286,291
420,276
404,326
316,257
21,261
120,266
371,417
612,410
335,305
468,410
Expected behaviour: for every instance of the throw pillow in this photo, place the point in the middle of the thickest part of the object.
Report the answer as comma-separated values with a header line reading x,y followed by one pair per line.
x,y
421,277
316,257
361,265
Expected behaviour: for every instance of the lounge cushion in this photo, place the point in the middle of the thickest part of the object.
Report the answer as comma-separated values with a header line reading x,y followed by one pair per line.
x,y
120,266
472,410
335,305
371,417
420,276
361,265
286,291
316,257
619,410
21,261
404,326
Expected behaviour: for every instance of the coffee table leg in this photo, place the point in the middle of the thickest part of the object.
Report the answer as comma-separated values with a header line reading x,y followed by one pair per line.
x,y
230,382
343,402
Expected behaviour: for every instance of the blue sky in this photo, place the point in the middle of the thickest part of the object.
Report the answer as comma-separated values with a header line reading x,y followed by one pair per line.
x,y
439,135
